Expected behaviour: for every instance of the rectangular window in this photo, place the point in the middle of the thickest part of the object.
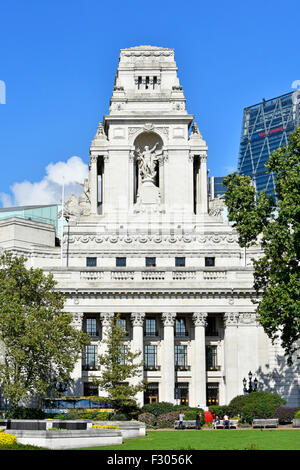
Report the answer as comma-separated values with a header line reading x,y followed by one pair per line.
x,y
147,83
210,261
121,322
91,327
150,329
180,328
123,353
154,82
212,394
90,262
150,357
90,357
120,262
139,83
181,392
211,358
150,262
179,261
180,356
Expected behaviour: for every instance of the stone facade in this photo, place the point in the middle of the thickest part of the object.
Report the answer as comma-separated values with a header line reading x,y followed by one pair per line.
x,y
144,241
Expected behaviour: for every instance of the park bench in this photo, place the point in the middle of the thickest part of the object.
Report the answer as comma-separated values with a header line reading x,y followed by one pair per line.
x,y
187,424
233,424
191,424
265,423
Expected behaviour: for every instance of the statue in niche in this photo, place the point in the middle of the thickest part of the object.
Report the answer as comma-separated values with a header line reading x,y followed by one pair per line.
x,y
147,161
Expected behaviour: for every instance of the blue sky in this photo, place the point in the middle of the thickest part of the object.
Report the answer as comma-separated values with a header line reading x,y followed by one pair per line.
x,y
58,60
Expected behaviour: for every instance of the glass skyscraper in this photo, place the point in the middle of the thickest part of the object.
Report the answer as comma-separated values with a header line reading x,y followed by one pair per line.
x,y
266,127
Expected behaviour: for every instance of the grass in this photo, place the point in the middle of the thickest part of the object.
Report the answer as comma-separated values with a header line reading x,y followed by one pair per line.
x,y
212,440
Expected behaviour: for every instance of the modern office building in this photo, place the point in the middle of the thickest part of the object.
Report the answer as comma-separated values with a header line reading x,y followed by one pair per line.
x,y
148,244
266,126
47,214
215,186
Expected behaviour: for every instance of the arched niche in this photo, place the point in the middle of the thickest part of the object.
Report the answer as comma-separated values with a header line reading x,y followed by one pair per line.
x,y
146,138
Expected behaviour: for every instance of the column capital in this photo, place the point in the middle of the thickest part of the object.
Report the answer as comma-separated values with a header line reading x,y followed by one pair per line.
x,y
77,320
137,318
199,318
106,318
231,319
169,318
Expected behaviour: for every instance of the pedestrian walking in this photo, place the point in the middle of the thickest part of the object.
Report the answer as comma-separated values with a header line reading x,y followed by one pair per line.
x,y
181,416
198,420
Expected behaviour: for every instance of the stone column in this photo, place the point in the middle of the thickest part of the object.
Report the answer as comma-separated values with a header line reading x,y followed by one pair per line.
x,y
105,318
202,182
93,184
77,371
131,179
199,361
232,386
137,319
168,366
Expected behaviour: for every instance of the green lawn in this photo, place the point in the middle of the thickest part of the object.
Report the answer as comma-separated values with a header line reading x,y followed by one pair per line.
x,y
213,440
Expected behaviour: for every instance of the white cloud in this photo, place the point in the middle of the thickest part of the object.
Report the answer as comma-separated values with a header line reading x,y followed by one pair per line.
x,y
48,190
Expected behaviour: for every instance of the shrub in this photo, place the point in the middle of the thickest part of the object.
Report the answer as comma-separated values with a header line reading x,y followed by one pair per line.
x,y
255,405
285,414
148,418
191,414
158,408
297,415
167,420
217,410
119,417
7,439
21,412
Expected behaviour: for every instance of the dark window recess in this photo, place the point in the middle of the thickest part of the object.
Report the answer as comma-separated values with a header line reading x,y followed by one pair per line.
x,y
150,262
120,262
90,262
179,261
209,261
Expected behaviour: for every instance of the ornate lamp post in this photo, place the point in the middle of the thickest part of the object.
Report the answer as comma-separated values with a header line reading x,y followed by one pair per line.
x,y
252,387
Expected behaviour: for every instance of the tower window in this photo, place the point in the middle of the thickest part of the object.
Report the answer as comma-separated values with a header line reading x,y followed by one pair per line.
x,y
150,262
139,83
121,262
147,83
154,82
90,262
210,261
179,261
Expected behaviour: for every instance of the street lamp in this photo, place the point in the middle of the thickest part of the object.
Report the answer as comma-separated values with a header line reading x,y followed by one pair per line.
x,y
252,387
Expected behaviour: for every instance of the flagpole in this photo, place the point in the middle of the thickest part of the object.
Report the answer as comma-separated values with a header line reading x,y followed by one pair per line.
x,y
62,221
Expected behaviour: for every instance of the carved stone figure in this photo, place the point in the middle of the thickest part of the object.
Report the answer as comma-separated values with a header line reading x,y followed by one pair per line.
x,y
147,161
216,205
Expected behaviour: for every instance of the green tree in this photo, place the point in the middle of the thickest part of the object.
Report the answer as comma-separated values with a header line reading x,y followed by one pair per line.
x,y
38,344
118,364
275,225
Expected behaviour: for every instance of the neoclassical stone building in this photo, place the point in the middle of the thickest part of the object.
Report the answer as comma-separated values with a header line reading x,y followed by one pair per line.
x,y
144,241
